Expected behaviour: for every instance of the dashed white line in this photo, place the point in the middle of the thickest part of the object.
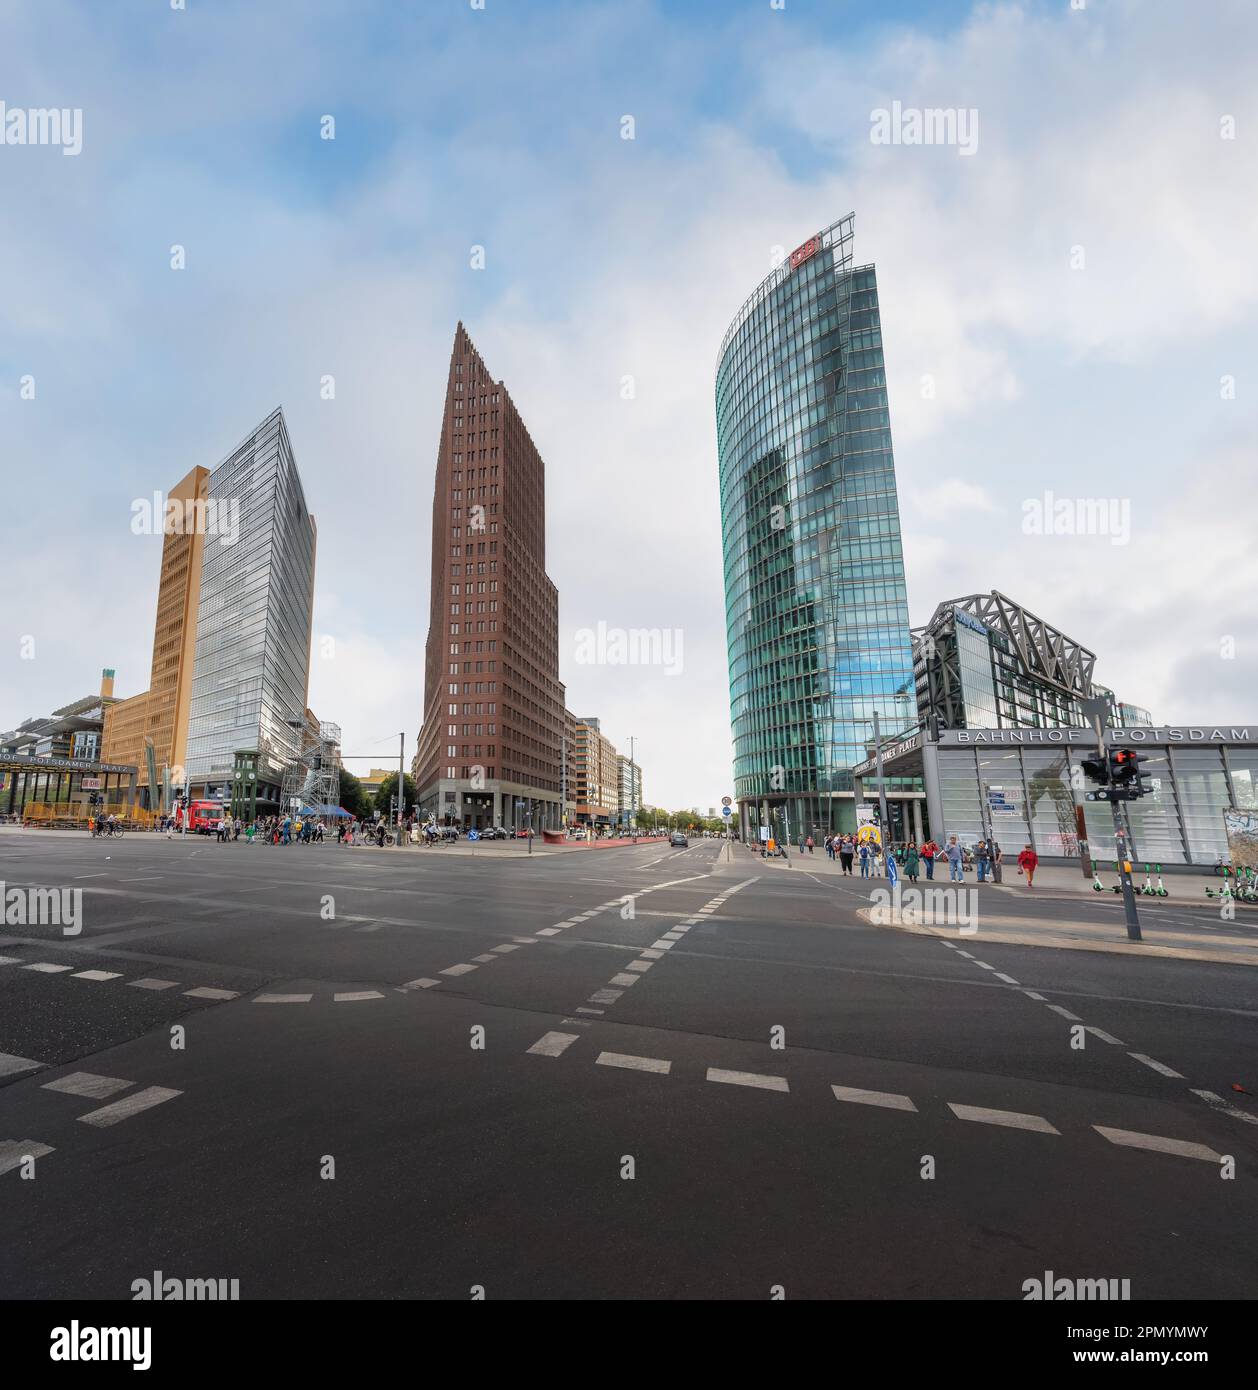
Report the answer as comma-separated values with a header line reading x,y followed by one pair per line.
x,y
131,1105
1010,1119
1219,1104
283,998
605,996
351,996
1131,1140
748,1078
632,1063
46,968
419,984
86,1083
10,1065
1065,1013
16,1151
553,1044
457,969
1008,979
96,975
886,1099
1160,1067
205,992
153,984
1103,1035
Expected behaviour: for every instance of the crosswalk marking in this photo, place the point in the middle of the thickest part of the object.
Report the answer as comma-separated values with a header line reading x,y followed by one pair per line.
x,y
632,1063
130,1105
1065,1013
282,998
553,1044
205,992
1031,994
649,954
457,969
46,968
1008,979
351,996
605,996
1010,1119
421,983
1131,1140
748,1078
86,1083
549,931
11,1065
1219,1104
485,958
581,1009
153,984
9,960
640,965
886,1099
13,1152
662,945
97,974
507,946
624,980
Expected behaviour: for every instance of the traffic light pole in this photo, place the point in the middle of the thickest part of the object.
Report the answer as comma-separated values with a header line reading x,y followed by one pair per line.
x,y
1124,875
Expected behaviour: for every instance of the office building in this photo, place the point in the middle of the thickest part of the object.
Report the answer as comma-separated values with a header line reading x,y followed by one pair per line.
x,y
629,790
491,746
231,648
816,611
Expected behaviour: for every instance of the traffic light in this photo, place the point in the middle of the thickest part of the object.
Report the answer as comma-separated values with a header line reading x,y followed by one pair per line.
x,y
1124,767
1095,769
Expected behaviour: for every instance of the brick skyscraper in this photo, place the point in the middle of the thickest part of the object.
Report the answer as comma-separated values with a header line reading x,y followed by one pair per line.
x,y
493,702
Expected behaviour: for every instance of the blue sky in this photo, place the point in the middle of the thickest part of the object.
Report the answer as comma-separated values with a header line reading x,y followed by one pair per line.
x,y
1011,371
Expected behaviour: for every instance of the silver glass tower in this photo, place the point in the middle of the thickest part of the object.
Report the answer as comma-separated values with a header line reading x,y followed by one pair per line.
x,y
252,665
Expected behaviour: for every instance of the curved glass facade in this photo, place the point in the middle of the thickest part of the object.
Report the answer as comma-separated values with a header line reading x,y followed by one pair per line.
x,y
816,613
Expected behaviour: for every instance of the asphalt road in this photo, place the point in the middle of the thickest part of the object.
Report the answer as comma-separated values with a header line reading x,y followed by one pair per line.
x,y
356,1073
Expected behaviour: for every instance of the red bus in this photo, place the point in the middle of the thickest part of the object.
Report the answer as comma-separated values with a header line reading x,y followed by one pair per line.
x,y
204,817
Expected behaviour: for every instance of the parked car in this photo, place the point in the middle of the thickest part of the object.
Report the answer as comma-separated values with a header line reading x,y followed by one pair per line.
x,y
678,840
495,832
579,833
523,834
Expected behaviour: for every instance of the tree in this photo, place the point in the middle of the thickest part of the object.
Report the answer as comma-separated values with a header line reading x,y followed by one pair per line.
x,y
353,798
388,790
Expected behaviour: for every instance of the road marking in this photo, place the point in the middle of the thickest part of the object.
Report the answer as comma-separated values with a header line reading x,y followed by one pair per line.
x,y
419,984
205,992
966,954
371,926
887,1099
350,996
525,940
1103,1035
1065,1013
1008,979
483,959
9,960
748,1078
553,1044
1160,1067
549,931
13,1152
1031,994
282,998
605,996
1011,1119
11,1065
640,965
86,1083
983,965
675,935
502,950
457,969
1131,1140
99,875
97,975
153,984
624,980
581,1009
132,1105
948,944
46,968
649,954
1219,1104
662,945
631,1063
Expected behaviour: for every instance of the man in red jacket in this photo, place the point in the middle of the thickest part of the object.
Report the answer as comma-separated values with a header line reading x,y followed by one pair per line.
x,y
1028,862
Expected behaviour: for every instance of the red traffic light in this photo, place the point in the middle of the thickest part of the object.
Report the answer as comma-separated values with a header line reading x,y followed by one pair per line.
x,y
1124,766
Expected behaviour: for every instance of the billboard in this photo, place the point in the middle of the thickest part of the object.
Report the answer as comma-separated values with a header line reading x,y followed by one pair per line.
x,y
1242,838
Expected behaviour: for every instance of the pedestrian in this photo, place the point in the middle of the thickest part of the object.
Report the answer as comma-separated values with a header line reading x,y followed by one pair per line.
x,y
811,849
982,858
955,857
930,851
864,858
845,854
1028,862
997,856
911,863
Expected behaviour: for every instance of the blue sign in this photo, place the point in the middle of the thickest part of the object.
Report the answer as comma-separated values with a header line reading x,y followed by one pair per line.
x,y
473,834
726,811
893,873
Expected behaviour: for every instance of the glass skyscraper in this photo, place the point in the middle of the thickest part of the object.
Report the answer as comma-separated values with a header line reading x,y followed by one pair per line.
x,y
249,683
816,611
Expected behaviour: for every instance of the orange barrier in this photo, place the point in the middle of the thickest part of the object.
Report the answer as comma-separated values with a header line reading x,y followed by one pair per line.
x,y
73,815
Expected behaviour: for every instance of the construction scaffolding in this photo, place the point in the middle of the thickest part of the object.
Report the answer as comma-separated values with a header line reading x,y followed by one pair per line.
x,y
313,778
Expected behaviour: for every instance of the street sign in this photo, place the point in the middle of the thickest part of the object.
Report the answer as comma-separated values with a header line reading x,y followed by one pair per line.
x,y
764,834
727,801
473,834
726,811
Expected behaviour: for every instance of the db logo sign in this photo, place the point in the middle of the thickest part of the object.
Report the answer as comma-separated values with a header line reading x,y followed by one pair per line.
x,y
802,253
